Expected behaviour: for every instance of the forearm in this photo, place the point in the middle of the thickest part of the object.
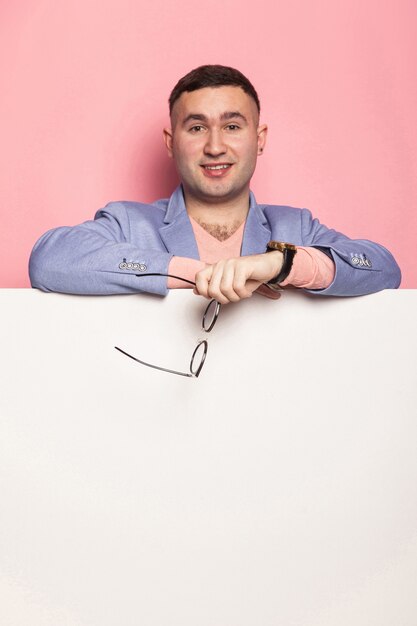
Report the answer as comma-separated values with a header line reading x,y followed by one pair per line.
x,y
78,260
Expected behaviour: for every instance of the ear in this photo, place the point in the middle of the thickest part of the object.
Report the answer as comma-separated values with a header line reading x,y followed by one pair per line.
x,y
168,140
262,134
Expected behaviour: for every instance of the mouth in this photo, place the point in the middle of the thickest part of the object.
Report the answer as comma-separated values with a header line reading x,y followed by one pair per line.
x,y
216,170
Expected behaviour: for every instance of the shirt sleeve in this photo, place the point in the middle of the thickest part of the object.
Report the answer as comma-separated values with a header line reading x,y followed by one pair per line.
x,y
311,269
183,267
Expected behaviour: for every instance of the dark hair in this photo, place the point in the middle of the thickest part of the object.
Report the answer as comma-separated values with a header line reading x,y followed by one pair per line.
x,y
212,76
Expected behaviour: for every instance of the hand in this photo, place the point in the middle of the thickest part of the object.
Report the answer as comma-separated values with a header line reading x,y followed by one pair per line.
x,y
232,280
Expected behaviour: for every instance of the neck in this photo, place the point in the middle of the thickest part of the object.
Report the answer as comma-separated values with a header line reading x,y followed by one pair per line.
x,y
224,212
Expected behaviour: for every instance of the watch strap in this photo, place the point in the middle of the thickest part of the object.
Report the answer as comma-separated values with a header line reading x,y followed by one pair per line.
x,y
289,251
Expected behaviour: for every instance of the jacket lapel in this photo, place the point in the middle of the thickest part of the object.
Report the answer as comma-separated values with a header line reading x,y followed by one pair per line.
x,y
257,232
177,232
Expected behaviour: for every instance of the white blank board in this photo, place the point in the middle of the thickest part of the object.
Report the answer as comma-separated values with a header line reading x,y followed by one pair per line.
x,y
278,488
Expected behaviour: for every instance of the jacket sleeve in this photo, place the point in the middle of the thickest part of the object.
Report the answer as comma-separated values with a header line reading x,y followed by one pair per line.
x,y
361,266
97,258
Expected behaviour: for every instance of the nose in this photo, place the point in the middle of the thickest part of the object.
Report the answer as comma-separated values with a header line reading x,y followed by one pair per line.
x,y
214,145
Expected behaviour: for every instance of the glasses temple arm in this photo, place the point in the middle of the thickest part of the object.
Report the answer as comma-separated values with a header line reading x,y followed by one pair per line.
x,y
155,367
185,280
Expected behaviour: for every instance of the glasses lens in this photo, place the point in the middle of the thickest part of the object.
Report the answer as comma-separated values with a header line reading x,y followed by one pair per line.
x,y
198,358
210,315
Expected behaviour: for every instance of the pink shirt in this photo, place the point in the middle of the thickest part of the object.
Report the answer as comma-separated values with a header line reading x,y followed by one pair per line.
x,y
312,269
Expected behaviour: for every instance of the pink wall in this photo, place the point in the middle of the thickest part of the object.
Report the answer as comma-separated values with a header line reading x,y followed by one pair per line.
x,y
83,91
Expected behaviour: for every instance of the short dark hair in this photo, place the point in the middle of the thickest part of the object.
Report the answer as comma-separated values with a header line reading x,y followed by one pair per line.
x,y
212,76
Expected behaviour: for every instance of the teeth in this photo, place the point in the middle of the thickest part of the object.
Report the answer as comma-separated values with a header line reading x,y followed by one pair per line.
x,y
216,167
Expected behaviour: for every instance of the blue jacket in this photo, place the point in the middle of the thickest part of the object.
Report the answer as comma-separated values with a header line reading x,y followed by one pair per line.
x,y
104,255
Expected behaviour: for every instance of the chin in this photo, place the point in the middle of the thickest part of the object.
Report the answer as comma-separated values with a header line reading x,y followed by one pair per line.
x,y
220,192
214,190
219,188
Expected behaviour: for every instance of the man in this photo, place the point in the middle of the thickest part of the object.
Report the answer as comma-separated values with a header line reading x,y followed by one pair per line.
x,y
211,231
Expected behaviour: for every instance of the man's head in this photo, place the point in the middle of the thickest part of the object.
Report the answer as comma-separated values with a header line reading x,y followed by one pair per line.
x,y
212,76
215,136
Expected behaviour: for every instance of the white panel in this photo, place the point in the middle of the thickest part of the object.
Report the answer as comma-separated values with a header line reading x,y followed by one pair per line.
x,y
278,488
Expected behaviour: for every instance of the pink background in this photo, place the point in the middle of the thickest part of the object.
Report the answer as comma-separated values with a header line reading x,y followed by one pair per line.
x,y
83,98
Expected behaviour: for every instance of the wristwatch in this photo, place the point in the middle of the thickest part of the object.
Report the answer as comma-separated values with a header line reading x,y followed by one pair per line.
x,y
289,251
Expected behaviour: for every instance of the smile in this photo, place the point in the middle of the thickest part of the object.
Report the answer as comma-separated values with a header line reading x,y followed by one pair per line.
x,y
216,170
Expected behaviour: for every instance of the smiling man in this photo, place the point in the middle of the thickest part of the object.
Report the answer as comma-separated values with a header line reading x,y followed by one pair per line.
x,y
211,231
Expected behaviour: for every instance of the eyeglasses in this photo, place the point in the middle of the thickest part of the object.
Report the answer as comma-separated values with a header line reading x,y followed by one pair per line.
x,y
199,354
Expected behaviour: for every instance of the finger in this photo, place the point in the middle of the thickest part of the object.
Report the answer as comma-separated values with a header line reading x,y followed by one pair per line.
x,y
242,285
222,283
214,289
202,281
228,282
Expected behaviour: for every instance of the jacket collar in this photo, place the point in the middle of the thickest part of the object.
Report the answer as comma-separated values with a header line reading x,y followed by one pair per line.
x,y
178,235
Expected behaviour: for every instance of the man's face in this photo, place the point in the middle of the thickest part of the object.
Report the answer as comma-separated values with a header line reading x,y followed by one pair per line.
x,y
215,140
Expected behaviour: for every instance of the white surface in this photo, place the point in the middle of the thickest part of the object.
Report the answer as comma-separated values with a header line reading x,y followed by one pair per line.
x,y
280,488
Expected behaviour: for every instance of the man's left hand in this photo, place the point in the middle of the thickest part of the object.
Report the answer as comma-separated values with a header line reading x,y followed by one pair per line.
x,y
232,280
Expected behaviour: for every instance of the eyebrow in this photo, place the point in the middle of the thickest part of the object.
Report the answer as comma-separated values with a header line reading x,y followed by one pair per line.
x,y
228,115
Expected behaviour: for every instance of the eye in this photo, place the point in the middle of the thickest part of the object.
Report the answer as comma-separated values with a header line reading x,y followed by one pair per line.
x,y
196,129
232,127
